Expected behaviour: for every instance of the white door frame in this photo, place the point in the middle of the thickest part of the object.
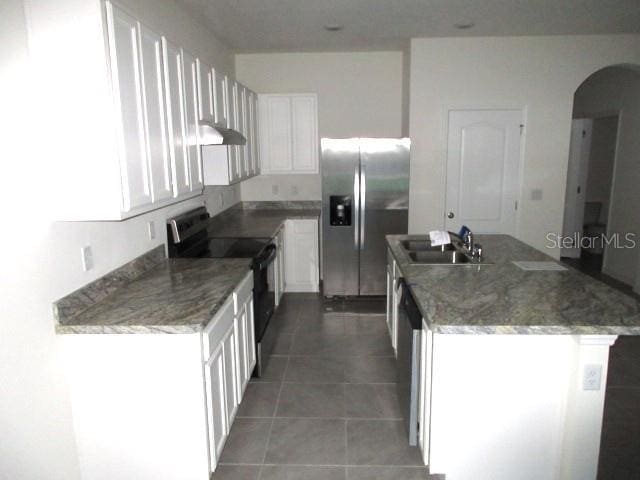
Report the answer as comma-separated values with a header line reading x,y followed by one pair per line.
x,y
446,111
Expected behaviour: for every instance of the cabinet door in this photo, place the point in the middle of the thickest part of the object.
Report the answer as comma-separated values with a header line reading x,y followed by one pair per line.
x,y
175,96
256,136
239,125
205,92
251,132
234,171
244,125
275,134
191,123
123,50
426,350
251,335
304,132
216,405
243,361
281,263
220,97
229,351
301,256
155,118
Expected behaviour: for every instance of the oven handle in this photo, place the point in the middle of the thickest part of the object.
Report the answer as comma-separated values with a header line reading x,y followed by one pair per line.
x,y
267,256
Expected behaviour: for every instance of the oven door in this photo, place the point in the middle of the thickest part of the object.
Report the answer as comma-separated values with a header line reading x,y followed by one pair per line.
x,y
263,299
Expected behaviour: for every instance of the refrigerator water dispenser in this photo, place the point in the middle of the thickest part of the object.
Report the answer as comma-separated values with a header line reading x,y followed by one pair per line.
x,y
340,210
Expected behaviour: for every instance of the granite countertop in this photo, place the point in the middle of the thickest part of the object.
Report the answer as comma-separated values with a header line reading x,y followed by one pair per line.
x,y
175,296
257,223
500,298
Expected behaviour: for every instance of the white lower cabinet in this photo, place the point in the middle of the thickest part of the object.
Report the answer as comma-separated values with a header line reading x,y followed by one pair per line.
x,y
230,336
165,403
301,266
277,268
214,375
424,389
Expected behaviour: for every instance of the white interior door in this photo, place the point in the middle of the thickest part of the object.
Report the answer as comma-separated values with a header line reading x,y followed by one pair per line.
x,y
576,192
483,158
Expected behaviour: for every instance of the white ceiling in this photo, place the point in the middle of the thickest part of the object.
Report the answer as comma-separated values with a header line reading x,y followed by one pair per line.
x,y
296,25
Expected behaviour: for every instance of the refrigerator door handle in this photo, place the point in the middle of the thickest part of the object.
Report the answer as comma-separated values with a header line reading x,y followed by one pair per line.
x,y
356,206
363,203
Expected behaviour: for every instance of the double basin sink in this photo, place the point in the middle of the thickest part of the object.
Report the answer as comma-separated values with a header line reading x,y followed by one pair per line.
x,y
423,253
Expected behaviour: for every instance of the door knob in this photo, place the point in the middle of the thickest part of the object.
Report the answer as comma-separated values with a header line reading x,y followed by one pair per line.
x,y
450,215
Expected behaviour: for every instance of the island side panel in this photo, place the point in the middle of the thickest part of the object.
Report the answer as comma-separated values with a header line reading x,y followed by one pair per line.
x,y
585,402
138,405
498,405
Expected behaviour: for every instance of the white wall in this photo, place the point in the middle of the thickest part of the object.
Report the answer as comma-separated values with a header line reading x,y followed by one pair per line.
x,y
359,94
537,74
609,91
41,260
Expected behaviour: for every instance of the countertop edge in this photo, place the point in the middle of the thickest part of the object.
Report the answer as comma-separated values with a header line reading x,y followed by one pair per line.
x,y
513,329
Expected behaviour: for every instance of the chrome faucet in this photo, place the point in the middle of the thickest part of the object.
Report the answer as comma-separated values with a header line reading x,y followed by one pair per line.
x,y
468,241
474,249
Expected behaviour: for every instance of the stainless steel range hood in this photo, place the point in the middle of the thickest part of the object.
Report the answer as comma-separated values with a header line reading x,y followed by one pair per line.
x,y
211,134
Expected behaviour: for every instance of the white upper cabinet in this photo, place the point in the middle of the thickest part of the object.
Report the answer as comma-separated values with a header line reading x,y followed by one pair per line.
x,y
157,140
220,98
288,133
255,133
134,101
205,87
123,40
243,153
174,87
304,121
191,122
225,165
275,134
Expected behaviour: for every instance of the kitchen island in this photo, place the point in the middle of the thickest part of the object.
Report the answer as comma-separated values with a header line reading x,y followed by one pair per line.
x,y
514,362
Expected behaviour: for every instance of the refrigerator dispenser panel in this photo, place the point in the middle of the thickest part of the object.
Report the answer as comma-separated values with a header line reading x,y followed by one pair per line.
x,y
340,213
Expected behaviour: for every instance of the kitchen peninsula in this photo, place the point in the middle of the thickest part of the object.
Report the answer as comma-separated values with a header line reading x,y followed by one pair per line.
x,y
514,362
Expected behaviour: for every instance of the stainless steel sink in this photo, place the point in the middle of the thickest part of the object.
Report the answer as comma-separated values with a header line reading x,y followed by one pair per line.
x,y
448,257
424,246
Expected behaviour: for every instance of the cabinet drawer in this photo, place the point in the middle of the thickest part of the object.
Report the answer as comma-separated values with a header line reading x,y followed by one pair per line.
x,y
242,292
214,332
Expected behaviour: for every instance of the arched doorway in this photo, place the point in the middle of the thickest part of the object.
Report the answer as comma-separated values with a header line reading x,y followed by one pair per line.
x,y
601,227
602,198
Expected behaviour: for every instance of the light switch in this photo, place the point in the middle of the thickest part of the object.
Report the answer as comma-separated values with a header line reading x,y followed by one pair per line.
x,y
275,189
294,190
87,258
536,194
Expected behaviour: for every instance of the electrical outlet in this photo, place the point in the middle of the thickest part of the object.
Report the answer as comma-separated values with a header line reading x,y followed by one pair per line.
x,y
151,227
592,377
87,258
294,190
275,189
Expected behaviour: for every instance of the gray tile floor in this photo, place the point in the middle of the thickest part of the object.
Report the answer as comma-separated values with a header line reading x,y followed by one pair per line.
x,y
326,407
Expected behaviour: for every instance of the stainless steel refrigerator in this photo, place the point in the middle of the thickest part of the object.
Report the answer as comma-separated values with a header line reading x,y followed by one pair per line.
x,y
365,196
